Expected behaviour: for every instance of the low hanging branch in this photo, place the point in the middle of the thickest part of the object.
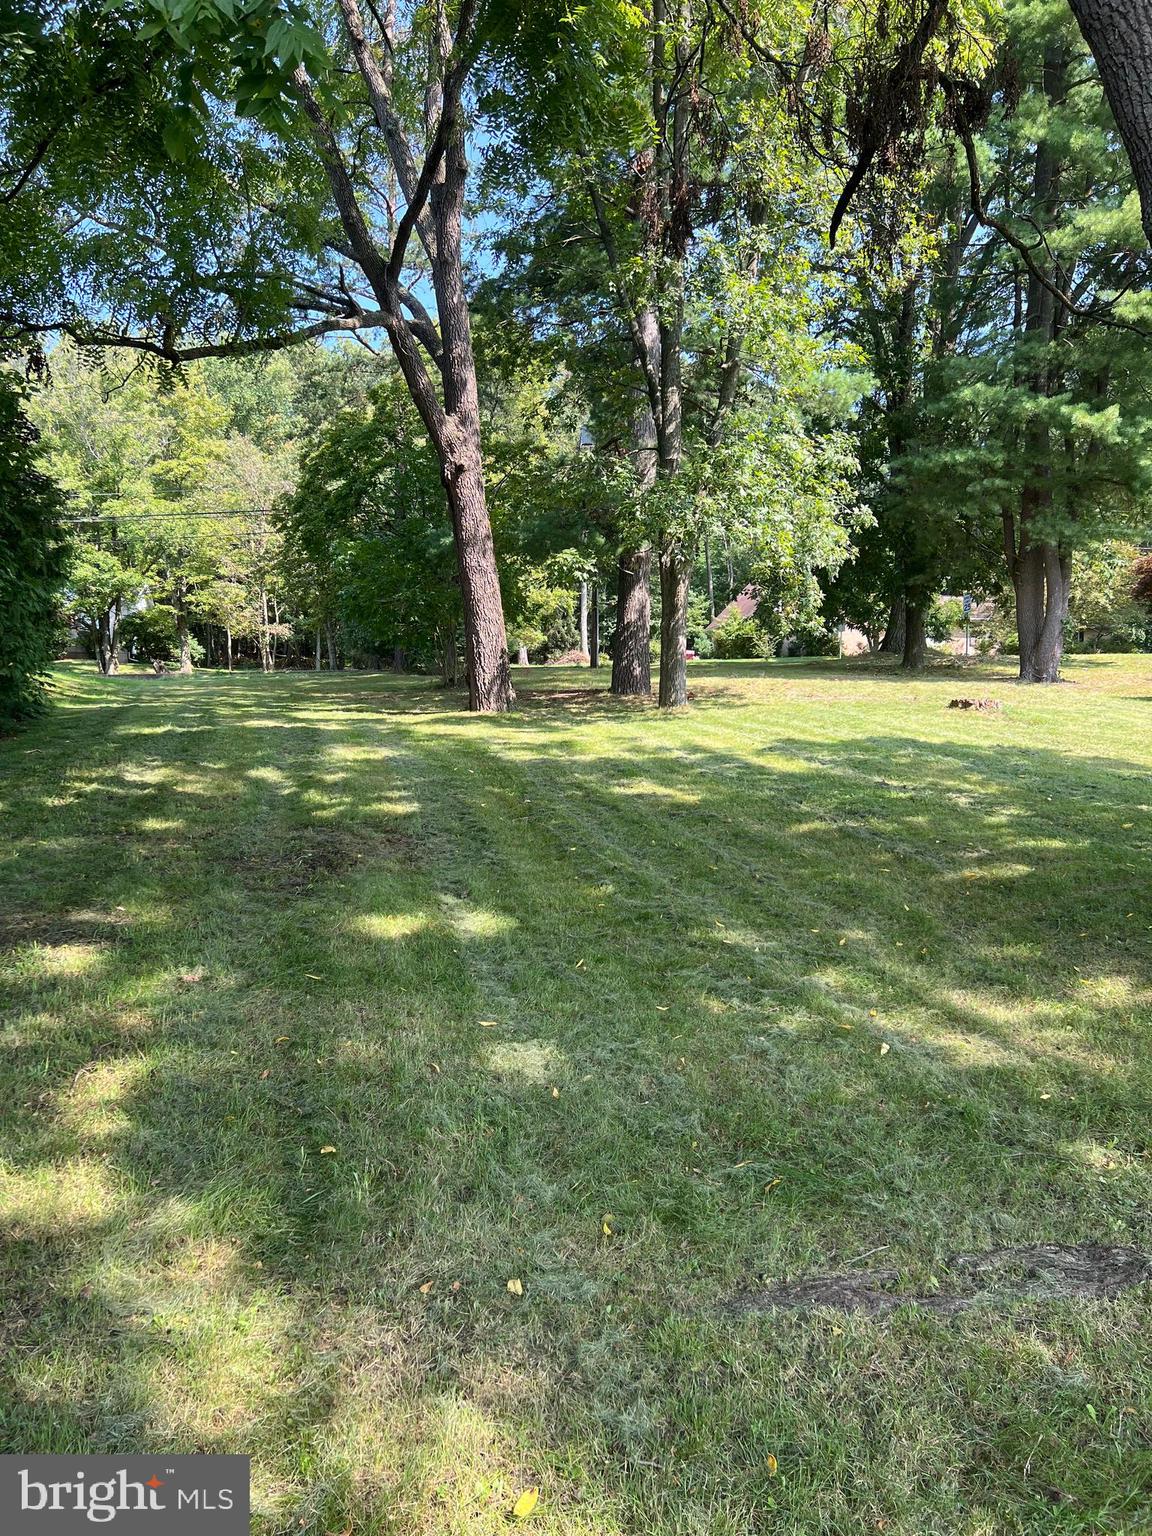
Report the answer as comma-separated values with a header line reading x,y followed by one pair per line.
x,y
1100,314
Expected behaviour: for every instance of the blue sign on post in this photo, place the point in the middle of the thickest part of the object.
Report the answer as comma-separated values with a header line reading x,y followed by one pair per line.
x,y
967,601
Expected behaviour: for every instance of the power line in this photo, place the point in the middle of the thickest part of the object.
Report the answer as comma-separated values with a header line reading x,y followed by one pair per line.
x,y
162,517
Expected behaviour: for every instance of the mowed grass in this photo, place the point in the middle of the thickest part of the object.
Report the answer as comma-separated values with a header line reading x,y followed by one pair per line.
x,y
329,1010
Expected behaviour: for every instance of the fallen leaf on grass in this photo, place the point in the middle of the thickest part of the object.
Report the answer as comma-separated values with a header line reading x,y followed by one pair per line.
x,y
516,1287
280,1039
884,1047
488,1024
606,1224
426,1287
324,1150
526,1503
773,1466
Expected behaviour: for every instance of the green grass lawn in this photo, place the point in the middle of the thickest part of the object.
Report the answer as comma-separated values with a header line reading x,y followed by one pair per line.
x,y
329,1010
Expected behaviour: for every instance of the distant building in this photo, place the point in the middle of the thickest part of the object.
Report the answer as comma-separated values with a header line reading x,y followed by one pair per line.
x,y
743,604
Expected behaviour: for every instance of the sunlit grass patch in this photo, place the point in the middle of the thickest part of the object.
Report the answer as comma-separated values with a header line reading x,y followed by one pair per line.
x,y
339,1011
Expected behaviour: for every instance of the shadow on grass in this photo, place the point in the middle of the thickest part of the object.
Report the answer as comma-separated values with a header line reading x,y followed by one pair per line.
x,y
314,1003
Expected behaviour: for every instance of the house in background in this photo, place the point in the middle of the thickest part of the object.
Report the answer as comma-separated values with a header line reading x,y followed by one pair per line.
x,y
853,642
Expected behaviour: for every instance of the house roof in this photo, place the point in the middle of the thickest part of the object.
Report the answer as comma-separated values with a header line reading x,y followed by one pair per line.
x,y
743,604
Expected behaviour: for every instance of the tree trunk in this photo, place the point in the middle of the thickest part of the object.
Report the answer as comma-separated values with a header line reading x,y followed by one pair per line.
x,y
675,575
452,412
584,618
183,633
399,659
460,448
522,656
330,640
485,641
632,645
893,641
594,631
915,638
228,645
711,587
449,657
1119,33
1041,586
265,651
317,667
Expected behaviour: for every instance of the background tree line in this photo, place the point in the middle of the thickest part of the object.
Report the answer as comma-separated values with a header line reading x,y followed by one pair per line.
x,y
620,358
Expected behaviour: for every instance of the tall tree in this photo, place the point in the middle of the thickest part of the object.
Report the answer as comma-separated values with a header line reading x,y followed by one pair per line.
x,y
32,561
1119,33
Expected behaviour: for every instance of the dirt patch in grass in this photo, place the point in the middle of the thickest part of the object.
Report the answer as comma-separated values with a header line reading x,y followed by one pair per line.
x,y
984,706
310,855
1045,1272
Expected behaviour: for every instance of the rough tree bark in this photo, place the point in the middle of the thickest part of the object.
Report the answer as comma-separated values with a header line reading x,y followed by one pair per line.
x,y
915,650
675,574
632,646
893,641
1039,568
1119,33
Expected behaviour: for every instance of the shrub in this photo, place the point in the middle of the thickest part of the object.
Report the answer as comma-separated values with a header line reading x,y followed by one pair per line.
x,y
33,555
737,639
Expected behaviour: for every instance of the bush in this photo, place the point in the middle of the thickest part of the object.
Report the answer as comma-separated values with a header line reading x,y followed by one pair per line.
x,y
737,639
33,555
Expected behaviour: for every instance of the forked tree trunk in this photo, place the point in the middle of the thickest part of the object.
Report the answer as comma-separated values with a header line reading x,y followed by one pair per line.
x,y
1040,580
184,637
915,650
893,641
675,574
632,645
594,630
265,648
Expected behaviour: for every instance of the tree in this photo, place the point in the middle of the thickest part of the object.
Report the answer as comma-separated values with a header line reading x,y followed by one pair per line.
x,y
33,556
1119,33
1055,393
376,106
